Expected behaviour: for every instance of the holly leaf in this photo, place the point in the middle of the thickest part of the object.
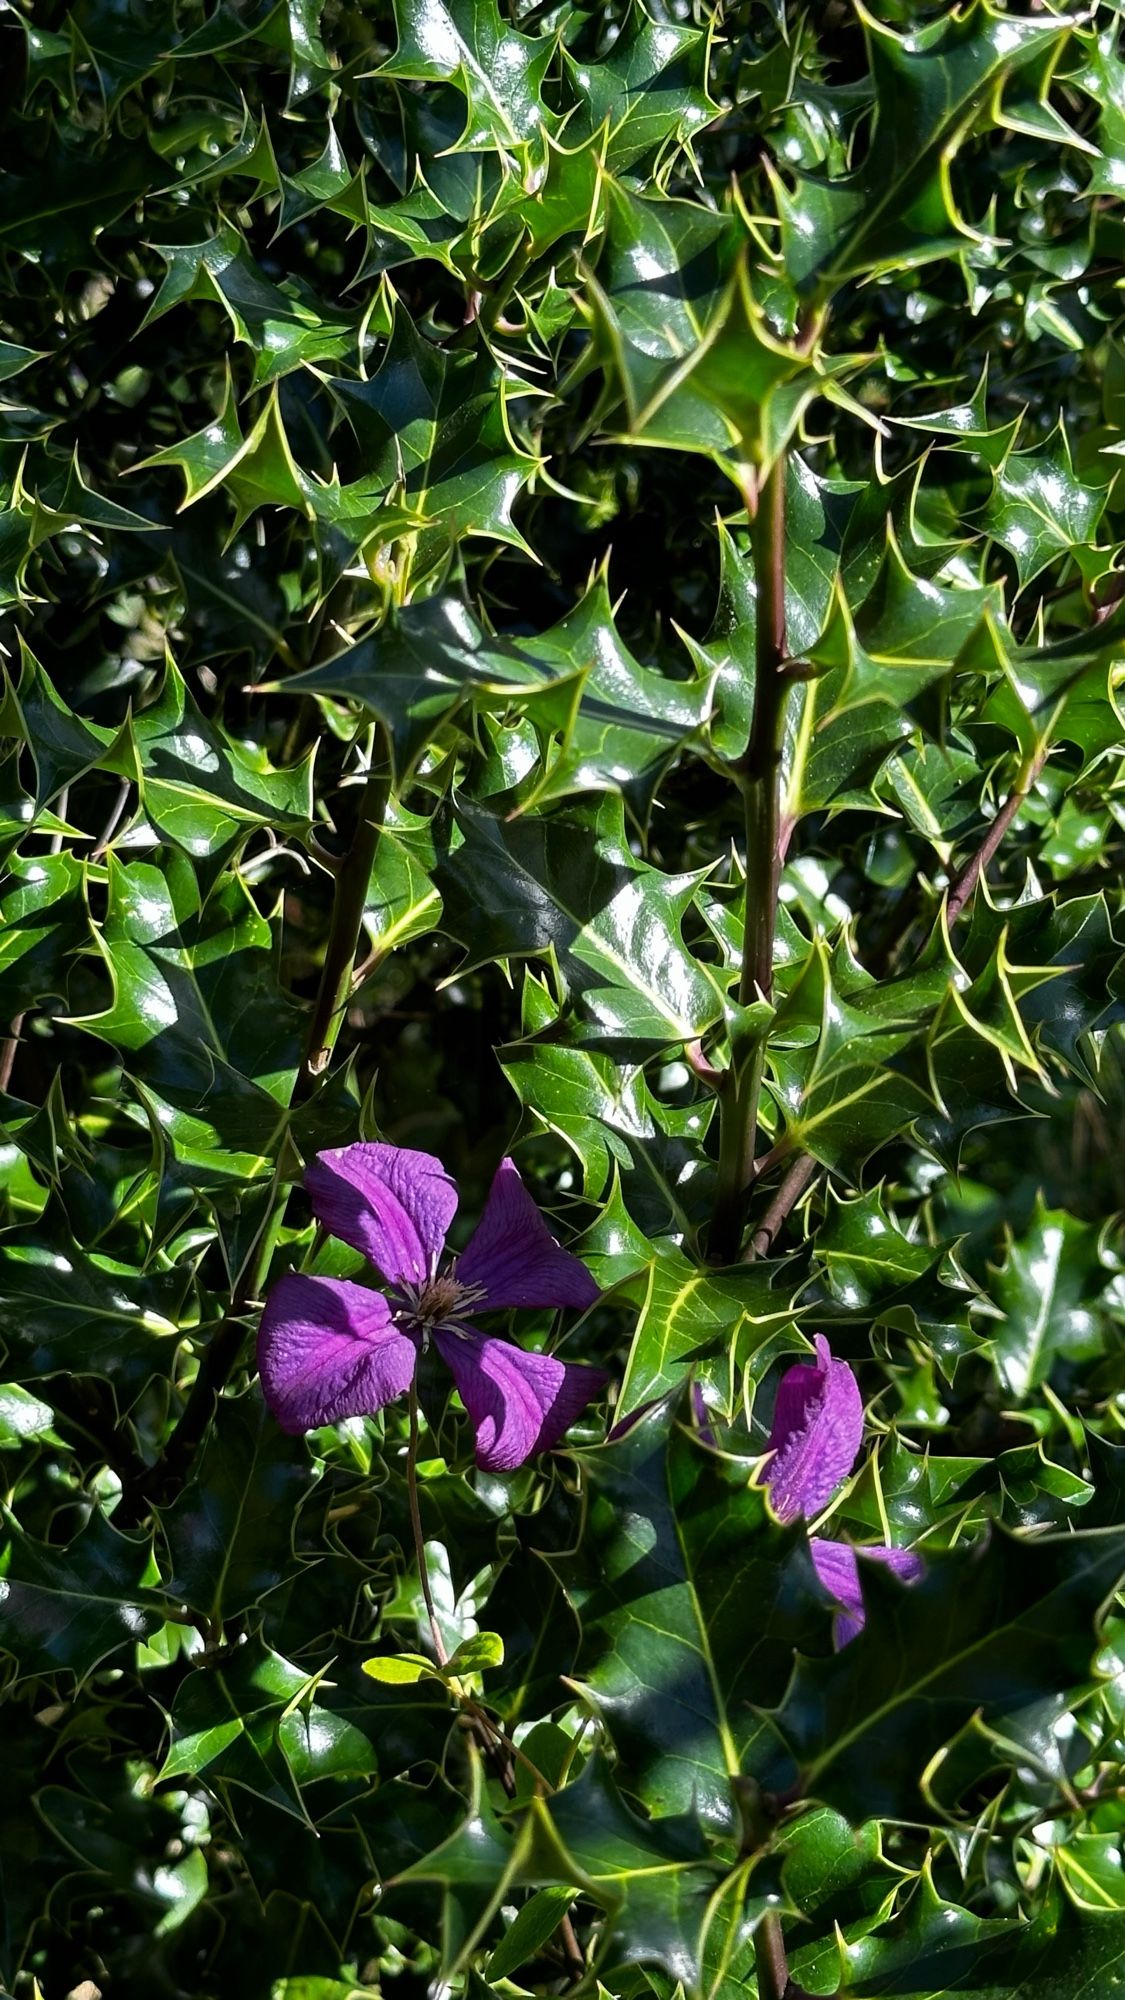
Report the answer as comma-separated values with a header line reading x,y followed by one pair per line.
x,y
897,209
567,887
69,1609
987,1631
498,71
230,1531
1038,509
1049,1289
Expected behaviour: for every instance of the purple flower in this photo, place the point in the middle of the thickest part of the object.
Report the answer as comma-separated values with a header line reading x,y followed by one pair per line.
x,y
837,1566
328,1348
817,1432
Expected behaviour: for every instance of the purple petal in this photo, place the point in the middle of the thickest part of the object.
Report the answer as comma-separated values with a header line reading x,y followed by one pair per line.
x,y
518,1403
817,1431
513,1255
837,1567
394,1205
838,1570
329,1349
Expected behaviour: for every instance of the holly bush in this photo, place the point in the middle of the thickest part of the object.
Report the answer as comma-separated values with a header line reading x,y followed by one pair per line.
x,y
561,595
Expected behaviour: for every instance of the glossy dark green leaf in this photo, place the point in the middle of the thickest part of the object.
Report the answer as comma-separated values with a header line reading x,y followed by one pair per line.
x,y
230,1531
1049,1290
567,886
985,1631
677,1544
68,1609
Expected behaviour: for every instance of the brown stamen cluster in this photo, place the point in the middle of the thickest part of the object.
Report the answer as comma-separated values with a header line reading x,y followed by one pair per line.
x,y
441,1300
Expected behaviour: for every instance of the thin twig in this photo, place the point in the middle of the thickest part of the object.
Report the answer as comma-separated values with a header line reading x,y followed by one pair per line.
x,y
970,875
788,1195
114,820
10,1050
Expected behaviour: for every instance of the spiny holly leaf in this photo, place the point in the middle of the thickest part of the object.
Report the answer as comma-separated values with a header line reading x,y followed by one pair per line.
x,y
473,1868
498,71
699,370
63,745
64,1311
840,1089
68,1609
230,1531
692,1317
259,470
1049,1289
652,1877
434,426
650,88
908,632
936,1948
1039,510
40,929
605,722
874,1270
989,1630
202,790
1057,693
1097,69
896,209
607,1113
195,996
253,1720
283,325
417,670
566,887
677,1544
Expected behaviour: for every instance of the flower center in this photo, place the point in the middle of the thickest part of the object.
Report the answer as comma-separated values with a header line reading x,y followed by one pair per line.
x,y
440,1300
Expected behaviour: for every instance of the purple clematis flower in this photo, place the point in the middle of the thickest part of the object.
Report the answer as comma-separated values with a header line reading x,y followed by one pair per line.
x,y
817,1432
328,1348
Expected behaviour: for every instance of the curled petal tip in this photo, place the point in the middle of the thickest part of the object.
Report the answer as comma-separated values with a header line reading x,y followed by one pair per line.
x,y
817,1432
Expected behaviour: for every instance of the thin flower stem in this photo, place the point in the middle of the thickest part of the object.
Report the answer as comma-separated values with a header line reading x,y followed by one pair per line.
x,y
759,774
440,1647
497,1745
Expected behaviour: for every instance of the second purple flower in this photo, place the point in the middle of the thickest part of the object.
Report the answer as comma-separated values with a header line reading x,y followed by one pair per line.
x,y
816,1435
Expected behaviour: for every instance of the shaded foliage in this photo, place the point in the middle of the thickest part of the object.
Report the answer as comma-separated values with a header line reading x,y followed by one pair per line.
x,y
384,393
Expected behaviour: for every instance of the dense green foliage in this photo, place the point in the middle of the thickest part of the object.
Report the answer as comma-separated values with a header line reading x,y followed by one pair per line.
x,y
386,394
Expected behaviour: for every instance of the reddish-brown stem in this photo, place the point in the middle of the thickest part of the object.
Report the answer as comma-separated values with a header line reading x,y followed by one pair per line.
x,y
970,875
785,1200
